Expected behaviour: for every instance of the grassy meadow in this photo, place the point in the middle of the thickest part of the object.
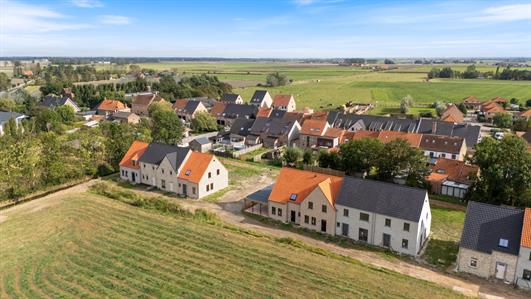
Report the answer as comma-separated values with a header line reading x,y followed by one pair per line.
x,y
446,229
82,245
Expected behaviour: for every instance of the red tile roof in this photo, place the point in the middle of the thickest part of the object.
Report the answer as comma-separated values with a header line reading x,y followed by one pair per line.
x,y
111,105
218,108
179,104
264,112
453,170
526,229
499,100
282,100
314,127
452,114
196,165
134,152
335,132
412,138
471,100
301,183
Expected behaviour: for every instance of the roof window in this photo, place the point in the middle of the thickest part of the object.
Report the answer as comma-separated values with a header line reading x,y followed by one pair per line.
x,y
187,173
293,196
503,243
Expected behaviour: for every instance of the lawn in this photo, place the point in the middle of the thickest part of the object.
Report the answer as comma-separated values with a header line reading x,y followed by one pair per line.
x,y
446,228
86,245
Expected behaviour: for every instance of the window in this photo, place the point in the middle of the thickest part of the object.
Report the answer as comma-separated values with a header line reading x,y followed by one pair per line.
x,y
314,221
363,235
405,243
171,172
193,190
217,172
133,162
453,157
209,175
208,187
323,208
153,167
443,155
364,217
187,173
306,219
211,186
273,210
279,212
310,205
473,262
526,275
387,222
530,256
162,169
144,165
345,212
503,243
293,196
338,224
163,184
406,226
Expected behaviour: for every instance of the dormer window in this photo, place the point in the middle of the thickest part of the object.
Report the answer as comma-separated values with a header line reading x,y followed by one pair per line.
x,y
293,196
503,243
187,173
133,162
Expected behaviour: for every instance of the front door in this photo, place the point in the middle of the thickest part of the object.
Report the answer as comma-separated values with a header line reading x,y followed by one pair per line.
x,y
133,176
344,229
323,226
185,191
500,270
293,216
386,240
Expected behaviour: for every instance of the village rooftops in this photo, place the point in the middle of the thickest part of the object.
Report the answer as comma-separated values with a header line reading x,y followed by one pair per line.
x,y
492,228
258,97
282,100
438,143
314,127
453,170
469,132
239,110
156,152
111,105
135,151
230,98
242,126
382,198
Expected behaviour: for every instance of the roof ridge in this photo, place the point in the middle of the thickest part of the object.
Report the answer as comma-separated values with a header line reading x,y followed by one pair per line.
x,y
511,208
386,183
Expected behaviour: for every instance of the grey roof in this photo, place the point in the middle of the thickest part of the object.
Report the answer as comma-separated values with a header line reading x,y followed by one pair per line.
x,y
229,97
201,140
258,96
272,126
372,122
6,116
241,126
382,198
191,106
261,195
239,110
277,113
156,152
431,126
177,158
486,224
51,101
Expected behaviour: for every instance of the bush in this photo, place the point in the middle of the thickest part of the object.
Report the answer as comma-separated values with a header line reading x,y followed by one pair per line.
x,y
105,169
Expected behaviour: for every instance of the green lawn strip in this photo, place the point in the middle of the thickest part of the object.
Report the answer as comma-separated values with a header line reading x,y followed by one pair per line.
x,y
446,227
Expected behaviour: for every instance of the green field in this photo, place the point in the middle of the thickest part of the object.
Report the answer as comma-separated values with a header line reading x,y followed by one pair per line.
x,y
80,245
446,228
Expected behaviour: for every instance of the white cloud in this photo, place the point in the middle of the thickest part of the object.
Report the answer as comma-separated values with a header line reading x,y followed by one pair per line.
x,y
115,20
86,3
25,18
505,13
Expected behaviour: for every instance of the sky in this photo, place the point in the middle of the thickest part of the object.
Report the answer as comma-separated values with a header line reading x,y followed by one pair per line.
x,y
265,28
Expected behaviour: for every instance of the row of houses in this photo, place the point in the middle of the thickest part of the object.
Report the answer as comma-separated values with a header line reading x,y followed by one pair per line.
x,y
496,243
173,169
493,106
388,215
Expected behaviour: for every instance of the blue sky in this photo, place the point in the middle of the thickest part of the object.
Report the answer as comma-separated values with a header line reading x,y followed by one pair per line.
x,y
265,28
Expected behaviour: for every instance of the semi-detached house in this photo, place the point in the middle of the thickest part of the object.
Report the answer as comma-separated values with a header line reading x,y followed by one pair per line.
x,y
173,169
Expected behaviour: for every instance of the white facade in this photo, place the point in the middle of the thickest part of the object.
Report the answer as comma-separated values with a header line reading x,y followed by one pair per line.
x,y
130,175
523,268
404,236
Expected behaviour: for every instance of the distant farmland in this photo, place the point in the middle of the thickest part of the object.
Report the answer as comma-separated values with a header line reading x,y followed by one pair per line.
x,y
79,245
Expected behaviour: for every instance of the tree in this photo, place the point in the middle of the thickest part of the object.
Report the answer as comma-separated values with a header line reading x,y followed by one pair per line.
x,y
308,157
502,120
462,108
329,160
471,72
505,174
388,61
291,155
276,79
398,158
447,72
118,139
7,104
5,83
47,120
359,156
406,103
522,124
166,125
66,113
204,122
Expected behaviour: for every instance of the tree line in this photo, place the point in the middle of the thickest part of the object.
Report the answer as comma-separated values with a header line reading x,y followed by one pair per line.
x,y
472,73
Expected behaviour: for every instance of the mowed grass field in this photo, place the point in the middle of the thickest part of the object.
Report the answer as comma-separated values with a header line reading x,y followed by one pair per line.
x,y
81,245
446,228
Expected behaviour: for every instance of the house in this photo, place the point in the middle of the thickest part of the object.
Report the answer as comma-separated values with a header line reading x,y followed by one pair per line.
x,y
51,101
413,139
217,112
490,108
234,111
141,102
202,145
452,114
239,130
6,116
109,107
311,131
469,132
284,102
383,214
126,117
231,98
273,132
187,109
129,165
174,169
440,146
298,116
471,102
305,198
523,267
451,177
353,122
261,99
270,112
490,242
499,100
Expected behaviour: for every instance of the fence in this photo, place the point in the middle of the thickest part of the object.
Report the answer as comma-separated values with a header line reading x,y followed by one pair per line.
x,y
237,154
329,171
205,135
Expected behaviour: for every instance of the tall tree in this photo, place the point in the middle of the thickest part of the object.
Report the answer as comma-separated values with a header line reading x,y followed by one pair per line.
x,y
502,120
166,126
398,158
204,122
360,155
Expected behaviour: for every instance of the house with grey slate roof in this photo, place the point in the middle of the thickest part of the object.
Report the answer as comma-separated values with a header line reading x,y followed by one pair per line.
x,y
490,242
383,214
231,98
261,99
51,101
